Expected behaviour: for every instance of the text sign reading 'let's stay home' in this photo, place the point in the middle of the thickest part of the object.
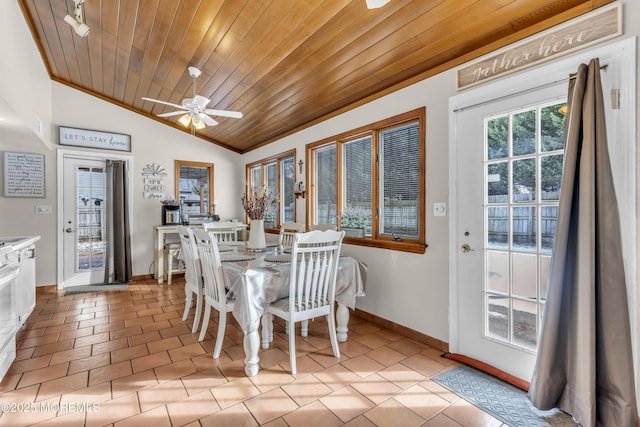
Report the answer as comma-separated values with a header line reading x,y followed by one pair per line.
x,y
94,139
579,33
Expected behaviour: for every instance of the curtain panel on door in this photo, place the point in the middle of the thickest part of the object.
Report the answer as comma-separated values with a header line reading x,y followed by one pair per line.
x,y
118,251
584,364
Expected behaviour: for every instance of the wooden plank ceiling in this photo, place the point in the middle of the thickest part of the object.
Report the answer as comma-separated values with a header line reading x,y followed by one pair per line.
x,y
285,64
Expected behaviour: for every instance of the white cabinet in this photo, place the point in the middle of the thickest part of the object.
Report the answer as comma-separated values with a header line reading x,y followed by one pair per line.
x,y
26,286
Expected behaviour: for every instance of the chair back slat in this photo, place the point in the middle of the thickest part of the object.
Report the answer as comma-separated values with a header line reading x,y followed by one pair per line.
x,y
191,259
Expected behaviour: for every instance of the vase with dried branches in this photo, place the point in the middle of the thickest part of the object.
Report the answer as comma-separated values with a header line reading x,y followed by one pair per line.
x,y
257,201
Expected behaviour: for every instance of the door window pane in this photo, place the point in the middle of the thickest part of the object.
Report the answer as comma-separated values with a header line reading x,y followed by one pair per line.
x,y
548,224
524,228
498,227
550,177
498,182
497,309
498,271
524,180
524,133
552,127
524,275
525,331
498,138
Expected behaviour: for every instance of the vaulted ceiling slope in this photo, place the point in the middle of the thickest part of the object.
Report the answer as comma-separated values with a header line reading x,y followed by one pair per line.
x,y
285,64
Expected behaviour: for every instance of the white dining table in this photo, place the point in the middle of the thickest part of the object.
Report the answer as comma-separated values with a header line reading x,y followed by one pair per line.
x,y
259,281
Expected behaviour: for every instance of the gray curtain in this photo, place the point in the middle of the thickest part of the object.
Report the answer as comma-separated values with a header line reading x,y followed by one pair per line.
x,y
118,250
584,364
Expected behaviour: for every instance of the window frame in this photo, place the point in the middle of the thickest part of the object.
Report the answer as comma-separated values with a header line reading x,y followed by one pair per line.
x,y
375,240
263,163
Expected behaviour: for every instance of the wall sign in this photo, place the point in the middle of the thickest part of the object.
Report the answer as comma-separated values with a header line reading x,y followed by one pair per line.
x,y
153,181
23,175
603,24
94,139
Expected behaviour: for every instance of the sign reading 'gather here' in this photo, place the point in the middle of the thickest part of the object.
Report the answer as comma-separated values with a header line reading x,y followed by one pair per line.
x,y
587,30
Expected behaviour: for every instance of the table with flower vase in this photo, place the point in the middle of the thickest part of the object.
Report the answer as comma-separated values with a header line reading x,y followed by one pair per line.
x,y
258,278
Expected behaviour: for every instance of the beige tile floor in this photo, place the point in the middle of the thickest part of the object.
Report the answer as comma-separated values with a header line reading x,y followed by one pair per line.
x,y
125,358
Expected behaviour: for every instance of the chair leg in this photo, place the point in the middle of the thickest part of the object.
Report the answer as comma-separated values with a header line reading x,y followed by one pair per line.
x,y
305,328
196,317
222,326
187,304
265,330
292,347
205,321
331,320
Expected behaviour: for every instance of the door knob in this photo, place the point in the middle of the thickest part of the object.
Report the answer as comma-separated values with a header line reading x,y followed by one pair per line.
x,y
69,230
465,248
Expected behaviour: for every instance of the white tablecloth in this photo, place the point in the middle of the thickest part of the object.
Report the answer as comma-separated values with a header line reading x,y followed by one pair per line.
x,y
258,283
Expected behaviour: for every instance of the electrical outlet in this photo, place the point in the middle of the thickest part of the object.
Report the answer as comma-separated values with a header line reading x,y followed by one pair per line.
x,y
440,209
43,210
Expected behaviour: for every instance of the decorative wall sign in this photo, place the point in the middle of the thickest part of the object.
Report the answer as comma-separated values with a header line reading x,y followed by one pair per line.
x,y
94,139
153,177
601,25
23,175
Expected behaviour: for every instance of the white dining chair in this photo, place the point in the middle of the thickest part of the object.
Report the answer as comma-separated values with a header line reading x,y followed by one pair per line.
x,y
322,227
288,231
215,293
225,232
193,275
312,287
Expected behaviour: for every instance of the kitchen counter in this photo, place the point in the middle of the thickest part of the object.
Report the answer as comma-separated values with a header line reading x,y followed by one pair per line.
x,y
18,243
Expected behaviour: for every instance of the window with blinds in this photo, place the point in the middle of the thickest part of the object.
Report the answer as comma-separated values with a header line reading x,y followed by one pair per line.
x,y
371,183
400,181
277,174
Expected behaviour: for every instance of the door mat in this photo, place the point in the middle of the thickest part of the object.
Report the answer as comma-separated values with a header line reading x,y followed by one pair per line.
x,y
500,399
94,288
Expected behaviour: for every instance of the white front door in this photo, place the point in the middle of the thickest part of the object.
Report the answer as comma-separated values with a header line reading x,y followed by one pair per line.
x,y
505,161
84,205
508,175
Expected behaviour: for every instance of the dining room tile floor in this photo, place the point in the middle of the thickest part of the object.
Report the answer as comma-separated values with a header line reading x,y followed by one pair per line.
x,y
125,358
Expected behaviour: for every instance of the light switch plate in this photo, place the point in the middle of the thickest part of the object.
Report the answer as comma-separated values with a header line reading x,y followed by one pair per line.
x,y
43,210
440,209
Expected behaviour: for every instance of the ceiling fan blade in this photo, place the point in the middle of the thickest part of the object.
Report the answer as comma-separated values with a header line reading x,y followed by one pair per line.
x,y
200,101
164,102
172,113
207,120
224,113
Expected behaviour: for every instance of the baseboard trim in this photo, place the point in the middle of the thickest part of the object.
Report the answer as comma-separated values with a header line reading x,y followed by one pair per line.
x,y
408,332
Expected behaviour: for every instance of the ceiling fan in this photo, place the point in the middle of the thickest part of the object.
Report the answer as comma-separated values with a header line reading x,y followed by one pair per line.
x,y
193,110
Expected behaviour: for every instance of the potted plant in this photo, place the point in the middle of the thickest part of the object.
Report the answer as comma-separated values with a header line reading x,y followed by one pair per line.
x,y
256,203
353,220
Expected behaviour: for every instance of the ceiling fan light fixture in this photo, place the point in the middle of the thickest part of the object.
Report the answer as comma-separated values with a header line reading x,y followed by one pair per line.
x,y
375,4
198,123
185,120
